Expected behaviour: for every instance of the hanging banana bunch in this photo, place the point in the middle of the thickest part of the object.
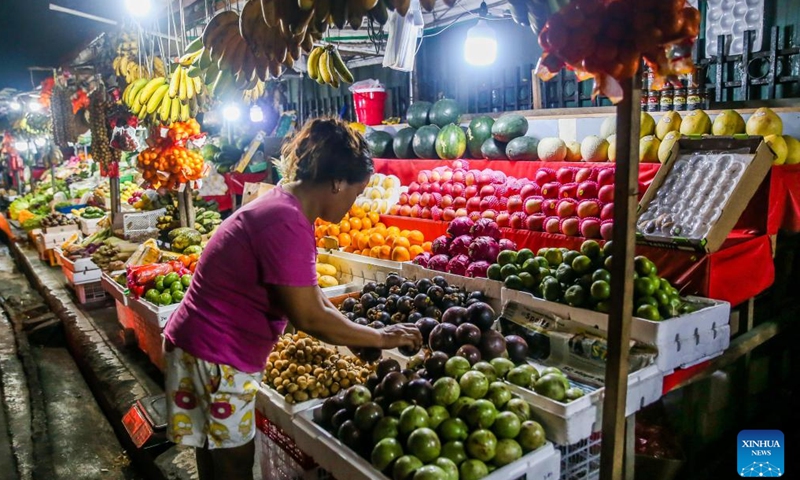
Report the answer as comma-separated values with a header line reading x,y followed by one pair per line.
x,y
126,63
325,65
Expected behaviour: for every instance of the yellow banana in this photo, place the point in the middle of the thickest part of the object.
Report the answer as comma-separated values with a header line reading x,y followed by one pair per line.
x,y
189,85
150,88
182,90
156,98
324,72
175,110
313,63
175,82
163,112
198,85
135,87
184,112
340,66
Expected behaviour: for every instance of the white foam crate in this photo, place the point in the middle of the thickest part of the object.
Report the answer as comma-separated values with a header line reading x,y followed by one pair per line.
x,y
117,291
568,423
272,405
60,229
681,341
78,265
492,289
733,18
543,463
358,268
152,313
89,225
53,240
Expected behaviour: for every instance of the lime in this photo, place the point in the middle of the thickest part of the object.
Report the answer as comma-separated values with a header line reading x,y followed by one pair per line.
x,y
494,272
153,296
600,290
570,256
602,274
643,265
661,297
565,273
531,266
528,280
553,256
170,279
575,296
160,278
644,287
603,307
513,282
542,251
607,262
166,299
176,287
159,285
177,296
507,257
186,280
524,255
582,264
607,248
542,261
590,248
551,289
648,312
508,270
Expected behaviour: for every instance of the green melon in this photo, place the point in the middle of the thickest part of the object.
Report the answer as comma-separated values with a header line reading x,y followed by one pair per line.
x,y
444,111
509,126
494,150
424,143
380,144
451,143
522,148
417,114
480,129
402,143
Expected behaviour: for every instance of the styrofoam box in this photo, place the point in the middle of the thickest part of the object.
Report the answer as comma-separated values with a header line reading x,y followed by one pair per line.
x,y
490,288
60,229
543,463
681,341
89,225
113,288
78,265
358,268
278,411
568,423
52,240
150,312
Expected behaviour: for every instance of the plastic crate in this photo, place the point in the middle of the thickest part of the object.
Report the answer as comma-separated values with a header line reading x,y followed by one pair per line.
x,y
149,339
126,316
302,461
135,225
90,293
581,460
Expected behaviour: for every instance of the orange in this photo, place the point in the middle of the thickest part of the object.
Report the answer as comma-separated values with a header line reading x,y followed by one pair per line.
x,y
401,242
375,252
380,228
357,212
345,240
393,231
376,240
320,231
405,233
355,223
363,242
333,230
386,252
427,246
321,243
350,249
416,237
415,250
366,223
374,217
365,252
344,226
401,254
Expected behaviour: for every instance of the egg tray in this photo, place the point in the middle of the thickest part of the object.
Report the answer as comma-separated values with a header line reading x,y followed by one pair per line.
x,y
693,195
732,18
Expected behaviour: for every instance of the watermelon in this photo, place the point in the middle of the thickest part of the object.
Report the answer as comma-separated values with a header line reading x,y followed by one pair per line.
x,y
509,126
424,143
444,111
480,129
417,114
494,150
522,148
451,143
402,143
380,144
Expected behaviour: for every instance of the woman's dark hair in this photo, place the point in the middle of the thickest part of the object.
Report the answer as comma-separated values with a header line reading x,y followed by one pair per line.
x,y
327,149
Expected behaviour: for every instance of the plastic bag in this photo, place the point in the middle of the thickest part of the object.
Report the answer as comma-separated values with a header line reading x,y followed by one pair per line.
x,y
401,46
370,84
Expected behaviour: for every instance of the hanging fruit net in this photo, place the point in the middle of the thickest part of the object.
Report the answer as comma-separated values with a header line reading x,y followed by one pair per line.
x,y
173,157
607,40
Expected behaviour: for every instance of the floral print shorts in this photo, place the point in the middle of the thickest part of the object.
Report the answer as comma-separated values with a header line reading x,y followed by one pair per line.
x,y
208,404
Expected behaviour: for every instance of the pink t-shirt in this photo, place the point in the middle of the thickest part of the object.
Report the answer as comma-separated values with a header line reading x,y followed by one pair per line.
x,y
227,315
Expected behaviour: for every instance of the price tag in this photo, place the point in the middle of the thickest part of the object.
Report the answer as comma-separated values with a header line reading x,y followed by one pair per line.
x,y
251,150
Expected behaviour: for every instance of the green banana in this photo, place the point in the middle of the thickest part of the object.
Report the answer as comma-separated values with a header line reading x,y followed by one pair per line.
x,y
340,67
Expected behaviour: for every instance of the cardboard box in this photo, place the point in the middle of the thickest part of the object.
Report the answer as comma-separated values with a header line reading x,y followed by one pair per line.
x,y
732,209
254,190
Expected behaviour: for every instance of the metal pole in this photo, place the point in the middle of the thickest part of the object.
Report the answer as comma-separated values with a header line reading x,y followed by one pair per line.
x,y
612,453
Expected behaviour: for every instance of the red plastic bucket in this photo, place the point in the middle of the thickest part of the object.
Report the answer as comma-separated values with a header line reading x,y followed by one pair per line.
x,y
369,105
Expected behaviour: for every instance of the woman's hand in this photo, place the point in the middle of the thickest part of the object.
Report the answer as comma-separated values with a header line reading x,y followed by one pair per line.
x,y
401,335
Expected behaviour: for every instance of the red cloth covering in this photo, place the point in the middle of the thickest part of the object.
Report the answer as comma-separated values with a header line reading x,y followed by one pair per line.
x,y
784,199
224,201
236,181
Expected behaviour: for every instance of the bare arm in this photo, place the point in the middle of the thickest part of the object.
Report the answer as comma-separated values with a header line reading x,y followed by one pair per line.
x,y
310,310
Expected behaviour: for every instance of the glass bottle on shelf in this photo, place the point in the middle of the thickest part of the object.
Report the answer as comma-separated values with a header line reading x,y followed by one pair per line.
x,y
679,98
665,102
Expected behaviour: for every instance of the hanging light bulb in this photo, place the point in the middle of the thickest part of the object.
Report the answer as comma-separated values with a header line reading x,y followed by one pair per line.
x,y
138,8
34,106
40,142
256,114
480,47
15,105
21,146
231,113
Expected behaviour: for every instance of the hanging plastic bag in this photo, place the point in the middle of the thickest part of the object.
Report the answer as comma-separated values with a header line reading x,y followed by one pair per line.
x,y
401,46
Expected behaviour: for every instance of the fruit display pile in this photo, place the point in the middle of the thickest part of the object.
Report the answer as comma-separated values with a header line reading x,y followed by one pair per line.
x,y
327,275
90,213
185,240
571,201
380,195
165,99
363,233
301,368
160,283
57,219
112,254
168,162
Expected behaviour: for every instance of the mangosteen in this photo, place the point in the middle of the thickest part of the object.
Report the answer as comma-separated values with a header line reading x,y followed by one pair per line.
x,y
385,367
369,287
424,374
481,315
443,338
393,386
381,306
492,344
470,352
421,302
477,295
433,312
383,317
350,316
372,382
426,326
372,312
423,284
517,348
434,365
369,300
338,418
471,301
395,290
405,304
378,392
450,300
382,290
468,334
394,280
419,391
399,318
450,290
455,315
406,287
350,435
391,303
359,310
329,408
377,325
436,294
408,351
410,374
348,304
440,281
361,321
368,355
414,317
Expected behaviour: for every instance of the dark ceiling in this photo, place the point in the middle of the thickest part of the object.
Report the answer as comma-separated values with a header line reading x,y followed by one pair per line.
x,y
33,35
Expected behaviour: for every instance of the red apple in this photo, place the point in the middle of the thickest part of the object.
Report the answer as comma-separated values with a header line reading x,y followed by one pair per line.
x,y
550,189
405,211
474,216
461,212
435,188
543,176
425,188
535,222
403,199
588,208
490,202
461,163
501,190
446,188
490,213
424,176
416,210
529,190
472,177
447,175
459,202
458,189
605,177
485,178
448,215
565,174
533,205
518,220
459,175
436,213
607,213
436,200
590,228
550,206
583,174
395,210
551,225
470,191
587,190
487,190
414,198
413,187
570,226
497,176
447,201
514,203
606,194
474,204
566,207
568,190
503,203
502,219
425,213
425,200
607,229
436,176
